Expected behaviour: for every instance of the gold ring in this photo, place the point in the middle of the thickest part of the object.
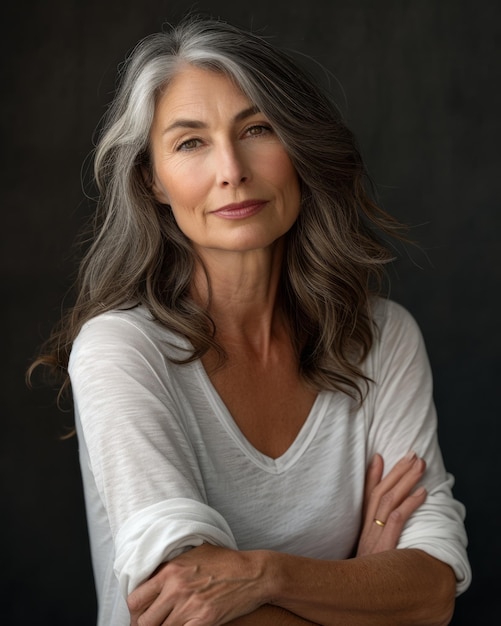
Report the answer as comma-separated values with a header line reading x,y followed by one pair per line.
x,y
378,522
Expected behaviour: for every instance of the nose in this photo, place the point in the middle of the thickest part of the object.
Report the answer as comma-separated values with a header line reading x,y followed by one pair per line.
x,y
232,168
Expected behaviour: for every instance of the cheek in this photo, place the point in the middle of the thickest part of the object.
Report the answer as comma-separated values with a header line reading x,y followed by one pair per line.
x,y
161,184
279,168
187,202
160,192
185,222
183,185
288,180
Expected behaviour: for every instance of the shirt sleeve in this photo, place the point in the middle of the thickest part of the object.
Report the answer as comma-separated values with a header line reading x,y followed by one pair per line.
x,y
130,414
403,418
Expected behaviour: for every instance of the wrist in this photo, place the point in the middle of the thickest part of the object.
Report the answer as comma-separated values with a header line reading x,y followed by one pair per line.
x,y
268,572
273,569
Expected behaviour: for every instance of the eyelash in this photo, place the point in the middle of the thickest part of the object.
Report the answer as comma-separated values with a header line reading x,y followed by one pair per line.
x,y
183,145
265,127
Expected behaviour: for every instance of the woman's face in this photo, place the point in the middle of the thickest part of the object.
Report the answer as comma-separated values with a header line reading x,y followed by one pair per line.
x,y
218,163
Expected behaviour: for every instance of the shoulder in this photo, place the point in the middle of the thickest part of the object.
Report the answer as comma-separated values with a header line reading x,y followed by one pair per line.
x,y
384,310
123,333
392,321
397,337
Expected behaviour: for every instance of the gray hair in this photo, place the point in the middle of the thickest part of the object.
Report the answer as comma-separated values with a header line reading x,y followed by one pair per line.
x,y
333,261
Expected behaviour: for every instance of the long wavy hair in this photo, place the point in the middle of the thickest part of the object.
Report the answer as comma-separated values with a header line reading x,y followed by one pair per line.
x,y
334,259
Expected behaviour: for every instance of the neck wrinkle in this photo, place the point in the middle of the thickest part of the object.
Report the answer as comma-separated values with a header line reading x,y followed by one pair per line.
x,y
243,300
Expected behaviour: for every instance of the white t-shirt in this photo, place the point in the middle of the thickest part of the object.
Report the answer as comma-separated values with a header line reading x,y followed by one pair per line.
x,y
165,466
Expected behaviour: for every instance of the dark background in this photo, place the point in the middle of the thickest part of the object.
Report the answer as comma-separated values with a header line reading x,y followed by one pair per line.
x,y
419,82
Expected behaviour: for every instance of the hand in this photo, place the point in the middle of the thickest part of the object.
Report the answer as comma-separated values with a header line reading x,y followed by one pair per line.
x,y
205,586
391,501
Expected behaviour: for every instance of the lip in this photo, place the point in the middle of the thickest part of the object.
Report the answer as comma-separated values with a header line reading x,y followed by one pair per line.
x,y
240,210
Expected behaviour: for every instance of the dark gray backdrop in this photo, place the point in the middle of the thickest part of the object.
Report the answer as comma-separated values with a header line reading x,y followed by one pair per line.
x,y
419,83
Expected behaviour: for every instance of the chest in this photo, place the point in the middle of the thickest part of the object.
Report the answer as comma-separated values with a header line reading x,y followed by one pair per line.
x,y
269,402
307,501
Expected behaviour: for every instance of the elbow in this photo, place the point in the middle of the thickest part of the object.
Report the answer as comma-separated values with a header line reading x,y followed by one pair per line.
x,y
435,607
447,604
445,613
444,597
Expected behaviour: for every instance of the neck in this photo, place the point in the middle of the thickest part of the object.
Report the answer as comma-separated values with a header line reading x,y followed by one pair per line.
x,y
243,300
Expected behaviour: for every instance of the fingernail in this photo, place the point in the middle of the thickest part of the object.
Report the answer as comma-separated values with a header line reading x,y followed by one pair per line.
x,y
373,460
419,492
410,456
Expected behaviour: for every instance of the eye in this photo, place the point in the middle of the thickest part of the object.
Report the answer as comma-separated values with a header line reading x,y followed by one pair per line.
x,y
256,130
189,144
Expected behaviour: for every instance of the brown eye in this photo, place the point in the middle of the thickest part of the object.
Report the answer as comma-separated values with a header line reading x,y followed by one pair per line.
x,y
258,129
189,144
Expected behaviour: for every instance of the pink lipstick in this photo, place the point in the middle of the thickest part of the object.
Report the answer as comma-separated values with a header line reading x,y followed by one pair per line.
x,y
240,210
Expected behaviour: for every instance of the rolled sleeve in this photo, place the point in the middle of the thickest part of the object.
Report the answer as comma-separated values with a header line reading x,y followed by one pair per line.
x,y
142,476
162,531
402,418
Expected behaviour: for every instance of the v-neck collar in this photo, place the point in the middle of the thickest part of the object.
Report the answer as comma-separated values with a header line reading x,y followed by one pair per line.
x,y
266,463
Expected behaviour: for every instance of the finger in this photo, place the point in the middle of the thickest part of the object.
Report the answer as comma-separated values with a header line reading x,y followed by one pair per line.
x,y
398,471
374,494
394,497
372,478
393,527
390,481
164,610
142,598
408,506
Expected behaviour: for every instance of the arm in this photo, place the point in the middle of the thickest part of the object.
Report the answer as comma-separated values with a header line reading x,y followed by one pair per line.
x,y
385,589
145,494
268,615
212,586
400,415
393,582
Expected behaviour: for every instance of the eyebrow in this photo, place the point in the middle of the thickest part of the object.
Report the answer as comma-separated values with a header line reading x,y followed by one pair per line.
x,y
185,123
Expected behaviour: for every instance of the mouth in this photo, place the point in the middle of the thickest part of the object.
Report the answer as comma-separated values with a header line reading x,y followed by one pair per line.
x,y
240,210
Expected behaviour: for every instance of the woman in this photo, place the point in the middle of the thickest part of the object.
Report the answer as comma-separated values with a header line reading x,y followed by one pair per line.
x,y
237,381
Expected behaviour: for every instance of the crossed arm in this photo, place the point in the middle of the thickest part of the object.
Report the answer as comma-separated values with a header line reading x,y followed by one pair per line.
x,y
381,586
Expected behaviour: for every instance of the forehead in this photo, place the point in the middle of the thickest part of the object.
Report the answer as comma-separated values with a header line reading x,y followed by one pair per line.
x,y
194,88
